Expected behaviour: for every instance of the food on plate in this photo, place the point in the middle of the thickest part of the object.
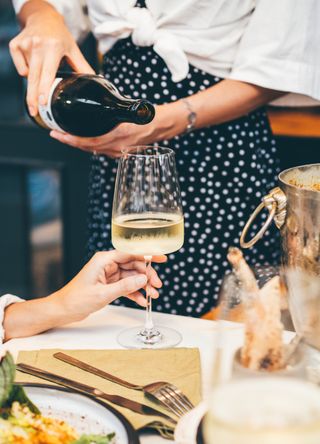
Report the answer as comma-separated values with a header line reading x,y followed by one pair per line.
x,y
22,423
261,314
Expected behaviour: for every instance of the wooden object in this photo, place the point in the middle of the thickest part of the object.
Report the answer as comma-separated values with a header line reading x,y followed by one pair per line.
x,y
295,122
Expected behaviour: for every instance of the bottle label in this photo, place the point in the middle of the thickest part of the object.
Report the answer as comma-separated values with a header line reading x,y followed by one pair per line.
x,y
45,110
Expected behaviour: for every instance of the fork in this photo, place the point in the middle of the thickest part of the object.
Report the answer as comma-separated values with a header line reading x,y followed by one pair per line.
x,y
165,393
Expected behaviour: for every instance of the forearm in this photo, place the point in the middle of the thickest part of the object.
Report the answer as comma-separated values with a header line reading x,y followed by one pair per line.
x,y
32,317
223,102
229,100
33,8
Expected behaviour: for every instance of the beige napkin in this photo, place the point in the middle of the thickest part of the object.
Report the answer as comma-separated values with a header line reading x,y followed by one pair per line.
x,y
180,366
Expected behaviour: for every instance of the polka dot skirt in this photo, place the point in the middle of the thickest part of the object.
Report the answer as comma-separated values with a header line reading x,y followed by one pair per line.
x,y
223,170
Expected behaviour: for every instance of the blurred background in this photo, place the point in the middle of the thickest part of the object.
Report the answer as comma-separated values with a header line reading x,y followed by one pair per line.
x,y
43,188
43,184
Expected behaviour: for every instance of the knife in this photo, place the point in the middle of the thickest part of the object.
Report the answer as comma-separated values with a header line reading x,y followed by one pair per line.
x,y
134,406
95,371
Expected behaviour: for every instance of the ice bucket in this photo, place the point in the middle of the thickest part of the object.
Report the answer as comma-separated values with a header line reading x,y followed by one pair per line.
x,y
295,208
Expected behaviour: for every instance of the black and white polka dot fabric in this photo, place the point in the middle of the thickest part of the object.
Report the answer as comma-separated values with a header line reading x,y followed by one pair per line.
x,y
223,170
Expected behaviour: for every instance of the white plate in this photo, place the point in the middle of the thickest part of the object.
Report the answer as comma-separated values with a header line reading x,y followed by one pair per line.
x,y
83,413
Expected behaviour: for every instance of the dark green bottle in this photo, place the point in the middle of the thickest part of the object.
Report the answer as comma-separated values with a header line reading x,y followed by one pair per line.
x,y
89,105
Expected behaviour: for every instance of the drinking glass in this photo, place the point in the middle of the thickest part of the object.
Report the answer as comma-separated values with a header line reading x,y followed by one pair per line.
x,y
267,405
261,312
269,410
147,219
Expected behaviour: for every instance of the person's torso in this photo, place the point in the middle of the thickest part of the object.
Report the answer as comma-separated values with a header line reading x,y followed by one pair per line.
x,y
205,33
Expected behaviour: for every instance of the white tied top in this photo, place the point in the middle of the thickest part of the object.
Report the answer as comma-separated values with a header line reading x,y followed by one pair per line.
x,y
271,43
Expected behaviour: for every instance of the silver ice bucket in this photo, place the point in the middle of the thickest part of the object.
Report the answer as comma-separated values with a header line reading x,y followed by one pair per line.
x,y
295,208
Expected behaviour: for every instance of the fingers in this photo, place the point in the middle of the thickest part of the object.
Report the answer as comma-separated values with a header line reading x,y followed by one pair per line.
x,y
153,278
33,81
125,286
78,62
153,283
153,292
18,58
115,256
110,260
110,143
159,259
115,278
122,258
49,70
138,265
84,143
138,298
110,269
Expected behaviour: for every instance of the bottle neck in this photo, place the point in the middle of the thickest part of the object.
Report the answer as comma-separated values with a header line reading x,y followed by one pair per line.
x,y
136,111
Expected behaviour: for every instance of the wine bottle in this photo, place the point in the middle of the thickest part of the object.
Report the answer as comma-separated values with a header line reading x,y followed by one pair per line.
x,y
89,105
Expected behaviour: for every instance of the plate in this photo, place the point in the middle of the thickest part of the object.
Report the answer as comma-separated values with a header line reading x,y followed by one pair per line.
x,y
85,414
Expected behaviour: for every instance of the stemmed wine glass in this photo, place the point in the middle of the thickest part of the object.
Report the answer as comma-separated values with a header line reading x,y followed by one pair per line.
x,y
147,219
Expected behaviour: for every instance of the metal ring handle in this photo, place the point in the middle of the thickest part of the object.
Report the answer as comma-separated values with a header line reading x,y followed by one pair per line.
x,y
263,229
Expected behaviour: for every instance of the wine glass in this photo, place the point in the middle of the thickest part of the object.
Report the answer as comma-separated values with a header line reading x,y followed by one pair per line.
x,y
147,219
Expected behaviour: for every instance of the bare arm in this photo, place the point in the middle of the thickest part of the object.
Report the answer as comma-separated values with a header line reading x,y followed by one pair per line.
x,y
228,100
225,101
45,40
36,7
106,277
32,317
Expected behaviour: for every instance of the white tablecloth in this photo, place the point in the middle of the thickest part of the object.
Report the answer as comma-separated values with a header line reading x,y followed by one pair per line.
x,y
100,331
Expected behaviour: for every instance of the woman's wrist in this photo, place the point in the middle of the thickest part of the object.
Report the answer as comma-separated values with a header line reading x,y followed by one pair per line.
x,y
32,317
33,10
171,120
35,316
61,303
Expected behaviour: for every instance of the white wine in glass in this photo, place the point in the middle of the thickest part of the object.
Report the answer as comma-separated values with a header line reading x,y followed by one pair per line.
x,y
270,410
153,233
147,219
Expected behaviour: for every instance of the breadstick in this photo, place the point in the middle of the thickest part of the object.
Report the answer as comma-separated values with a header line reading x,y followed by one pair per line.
x,y
242,270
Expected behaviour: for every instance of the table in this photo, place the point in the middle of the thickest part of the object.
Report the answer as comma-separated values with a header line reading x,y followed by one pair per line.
x,y
100,331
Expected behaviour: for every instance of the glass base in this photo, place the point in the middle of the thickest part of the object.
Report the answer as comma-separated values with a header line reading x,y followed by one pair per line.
x,y
159,337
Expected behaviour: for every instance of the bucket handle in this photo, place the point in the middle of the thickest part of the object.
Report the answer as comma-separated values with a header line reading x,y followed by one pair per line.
x,y
276,203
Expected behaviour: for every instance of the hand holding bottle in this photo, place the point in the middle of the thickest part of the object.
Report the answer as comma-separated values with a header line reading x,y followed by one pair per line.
x,y
170,120
39,48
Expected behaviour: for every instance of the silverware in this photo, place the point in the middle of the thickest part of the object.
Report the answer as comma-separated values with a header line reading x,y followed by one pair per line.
x,y
136,407
167,394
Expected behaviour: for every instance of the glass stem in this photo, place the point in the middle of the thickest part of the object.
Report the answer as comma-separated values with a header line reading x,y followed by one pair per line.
x,y
148,322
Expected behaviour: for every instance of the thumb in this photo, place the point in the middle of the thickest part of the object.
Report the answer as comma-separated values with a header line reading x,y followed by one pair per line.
x,y
78,62
125,286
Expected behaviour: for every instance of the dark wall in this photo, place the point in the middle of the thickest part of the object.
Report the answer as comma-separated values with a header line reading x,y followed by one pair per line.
x,y
43,207
298,151
43,188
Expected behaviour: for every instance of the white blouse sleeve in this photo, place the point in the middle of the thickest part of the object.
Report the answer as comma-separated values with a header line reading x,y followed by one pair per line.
x,y
280,47
73,12
5,301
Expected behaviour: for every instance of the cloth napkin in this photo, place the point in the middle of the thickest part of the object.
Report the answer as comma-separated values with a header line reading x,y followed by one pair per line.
x,y
180,366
